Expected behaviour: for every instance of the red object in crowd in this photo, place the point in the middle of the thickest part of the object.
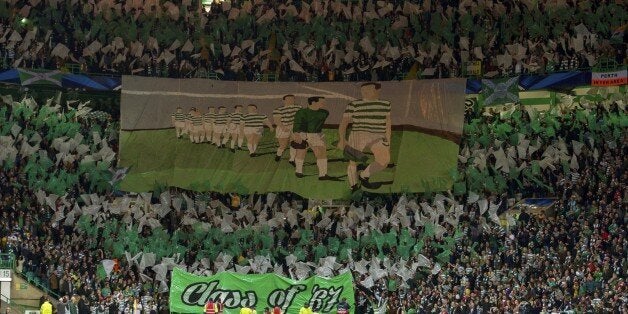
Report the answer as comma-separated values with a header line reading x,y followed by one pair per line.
x,y
210,308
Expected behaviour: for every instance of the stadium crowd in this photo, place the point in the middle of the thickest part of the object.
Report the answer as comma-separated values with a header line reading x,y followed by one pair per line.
x,y
311,40
408,253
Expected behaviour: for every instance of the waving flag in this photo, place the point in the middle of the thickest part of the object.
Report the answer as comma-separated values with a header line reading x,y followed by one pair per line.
x,y
500,91
118,175
40,77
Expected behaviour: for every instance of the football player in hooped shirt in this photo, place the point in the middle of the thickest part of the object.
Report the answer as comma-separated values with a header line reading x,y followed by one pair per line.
x,y
208,123
254,128
284,119
219,126
308,127
236,132
178,120
370,131
195,122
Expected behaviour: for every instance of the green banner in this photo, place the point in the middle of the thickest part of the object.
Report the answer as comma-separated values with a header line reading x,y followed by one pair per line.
x,y
189,293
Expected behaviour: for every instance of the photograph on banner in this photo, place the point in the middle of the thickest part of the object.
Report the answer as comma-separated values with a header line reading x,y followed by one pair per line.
x,y
190,293
320,140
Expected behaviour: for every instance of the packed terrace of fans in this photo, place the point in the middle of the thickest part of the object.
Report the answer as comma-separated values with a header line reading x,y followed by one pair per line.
x,y
573,260
317,40
418,253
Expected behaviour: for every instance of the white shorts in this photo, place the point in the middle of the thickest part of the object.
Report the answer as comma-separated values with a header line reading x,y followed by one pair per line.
x,y
197,128
363,141
220,128
179,124
314,139
207,127
233,128
283,134
253,130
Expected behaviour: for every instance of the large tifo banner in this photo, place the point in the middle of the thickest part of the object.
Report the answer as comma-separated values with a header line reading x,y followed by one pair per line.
x,y
189,293
401,136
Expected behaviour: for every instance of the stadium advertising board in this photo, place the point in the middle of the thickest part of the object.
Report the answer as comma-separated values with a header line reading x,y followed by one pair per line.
x,y
189,293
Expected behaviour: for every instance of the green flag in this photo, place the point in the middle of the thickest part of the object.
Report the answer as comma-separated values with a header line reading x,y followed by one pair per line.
x,y
100,272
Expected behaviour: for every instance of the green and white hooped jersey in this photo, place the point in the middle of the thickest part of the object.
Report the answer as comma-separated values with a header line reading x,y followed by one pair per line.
x,y
208,117
286,113
235,117
221,118
254,120
368,116
197,120
179,116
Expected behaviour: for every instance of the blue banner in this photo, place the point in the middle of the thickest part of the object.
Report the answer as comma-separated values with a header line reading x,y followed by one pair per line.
x,y
554,81
28,77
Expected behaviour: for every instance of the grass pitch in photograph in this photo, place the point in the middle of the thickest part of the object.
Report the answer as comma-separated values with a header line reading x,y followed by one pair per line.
x,y
419,163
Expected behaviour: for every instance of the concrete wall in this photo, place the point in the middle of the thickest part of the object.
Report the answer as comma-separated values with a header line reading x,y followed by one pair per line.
x,y
4,306
24,293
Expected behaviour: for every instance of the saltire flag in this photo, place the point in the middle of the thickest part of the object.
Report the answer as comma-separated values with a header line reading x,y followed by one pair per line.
x,y
500,91
40,77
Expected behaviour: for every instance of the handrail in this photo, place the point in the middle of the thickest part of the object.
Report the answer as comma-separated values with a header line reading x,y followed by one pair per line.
x,y
7,260
17,307
45,289
608,65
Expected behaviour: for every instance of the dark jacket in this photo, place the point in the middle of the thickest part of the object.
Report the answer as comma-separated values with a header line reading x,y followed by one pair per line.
x,y
83,308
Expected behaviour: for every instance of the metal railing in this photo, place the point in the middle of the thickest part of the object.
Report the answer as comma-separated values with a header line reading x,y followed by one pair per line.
x,y
15,306
34,280
266,77
7,260
607,65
